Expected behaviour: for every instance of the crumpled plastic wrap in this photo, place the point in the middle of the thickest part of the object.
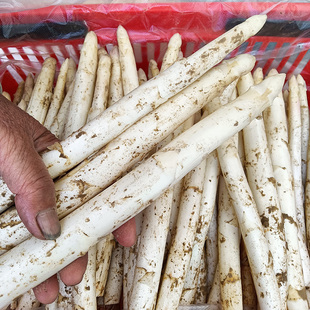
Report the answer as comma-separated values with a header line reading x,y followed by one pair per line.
x,y
30,31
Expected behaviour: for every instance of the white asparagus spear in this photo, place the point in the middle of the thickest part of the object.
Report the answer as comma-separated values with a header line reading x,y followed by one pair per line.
x,y
103,258
82,228
205,215
212,250
172,51
294,142
142,76
252,230
101,91
76,188
153,69
307,200
83,85
42,92
249,298
58,95
305,127
130,81
148,96
155,226
113,289
19,92
177,190
22,105
262,183
229,251
250,226
70,73
214,297
179,255
153,239
116,86
201,291
127,61
57,128
29,84
277,137
6,95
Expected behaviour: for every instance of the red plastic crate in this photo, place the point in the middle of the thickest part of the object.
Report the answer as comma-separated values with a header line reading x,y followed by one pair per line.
x,y
150,26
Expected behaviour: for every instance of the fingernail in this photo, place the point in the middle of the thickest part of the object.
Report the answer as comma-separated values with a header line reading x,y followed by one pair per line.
x,y
49,223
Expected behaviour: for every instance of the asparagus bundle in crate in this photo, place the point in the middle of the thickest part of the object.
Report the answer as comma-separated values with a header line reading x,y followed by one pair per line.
x,y
173,94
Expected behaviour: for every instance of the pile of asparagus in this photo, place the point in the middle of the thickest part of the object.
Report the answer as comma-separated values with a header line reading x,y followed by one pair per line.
x,y
210,159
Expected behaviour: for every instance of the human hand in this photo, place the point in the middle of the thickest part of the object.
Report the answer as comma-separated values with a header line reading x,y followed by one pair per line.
x,y
22,138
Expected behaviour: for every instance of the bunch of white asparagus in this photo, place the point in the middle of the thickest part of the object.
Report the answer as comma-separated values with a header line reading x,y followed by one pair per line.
x,y
210,159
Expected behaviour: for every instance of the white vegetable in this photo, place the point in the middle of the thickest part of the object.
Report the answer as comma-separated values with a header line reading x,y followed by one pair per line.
x,y
261,180
82,228
58,95
116,86
120,154
83,85
180,251
305,127
294,142
42,92
101,92
113,289
277,137
172,51
127,61
148,96
229,251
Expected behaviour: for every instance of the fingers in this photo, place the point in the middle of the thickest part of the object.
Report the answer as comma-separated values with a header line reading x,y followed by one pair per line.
x,y
47,291
126,234
22,169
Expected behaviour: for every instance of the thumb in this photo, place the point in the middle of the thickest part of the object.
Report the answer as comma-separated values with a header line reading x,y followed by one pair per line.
x,y
22,169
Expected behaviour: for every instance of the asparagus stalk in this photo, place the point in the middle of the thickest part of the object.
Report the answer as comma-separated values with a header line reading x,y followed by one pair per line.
x,y
142,76
82,228
66,154
305,127
103,259
70,73
29,84
212,250
229,251
294,142
113,289
205,215
250,226
120,154
153,69
59,122
172,52
127,61
58,95
83,85
19,92
262,183
277,138
181,247
100,98
116,86
42,93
